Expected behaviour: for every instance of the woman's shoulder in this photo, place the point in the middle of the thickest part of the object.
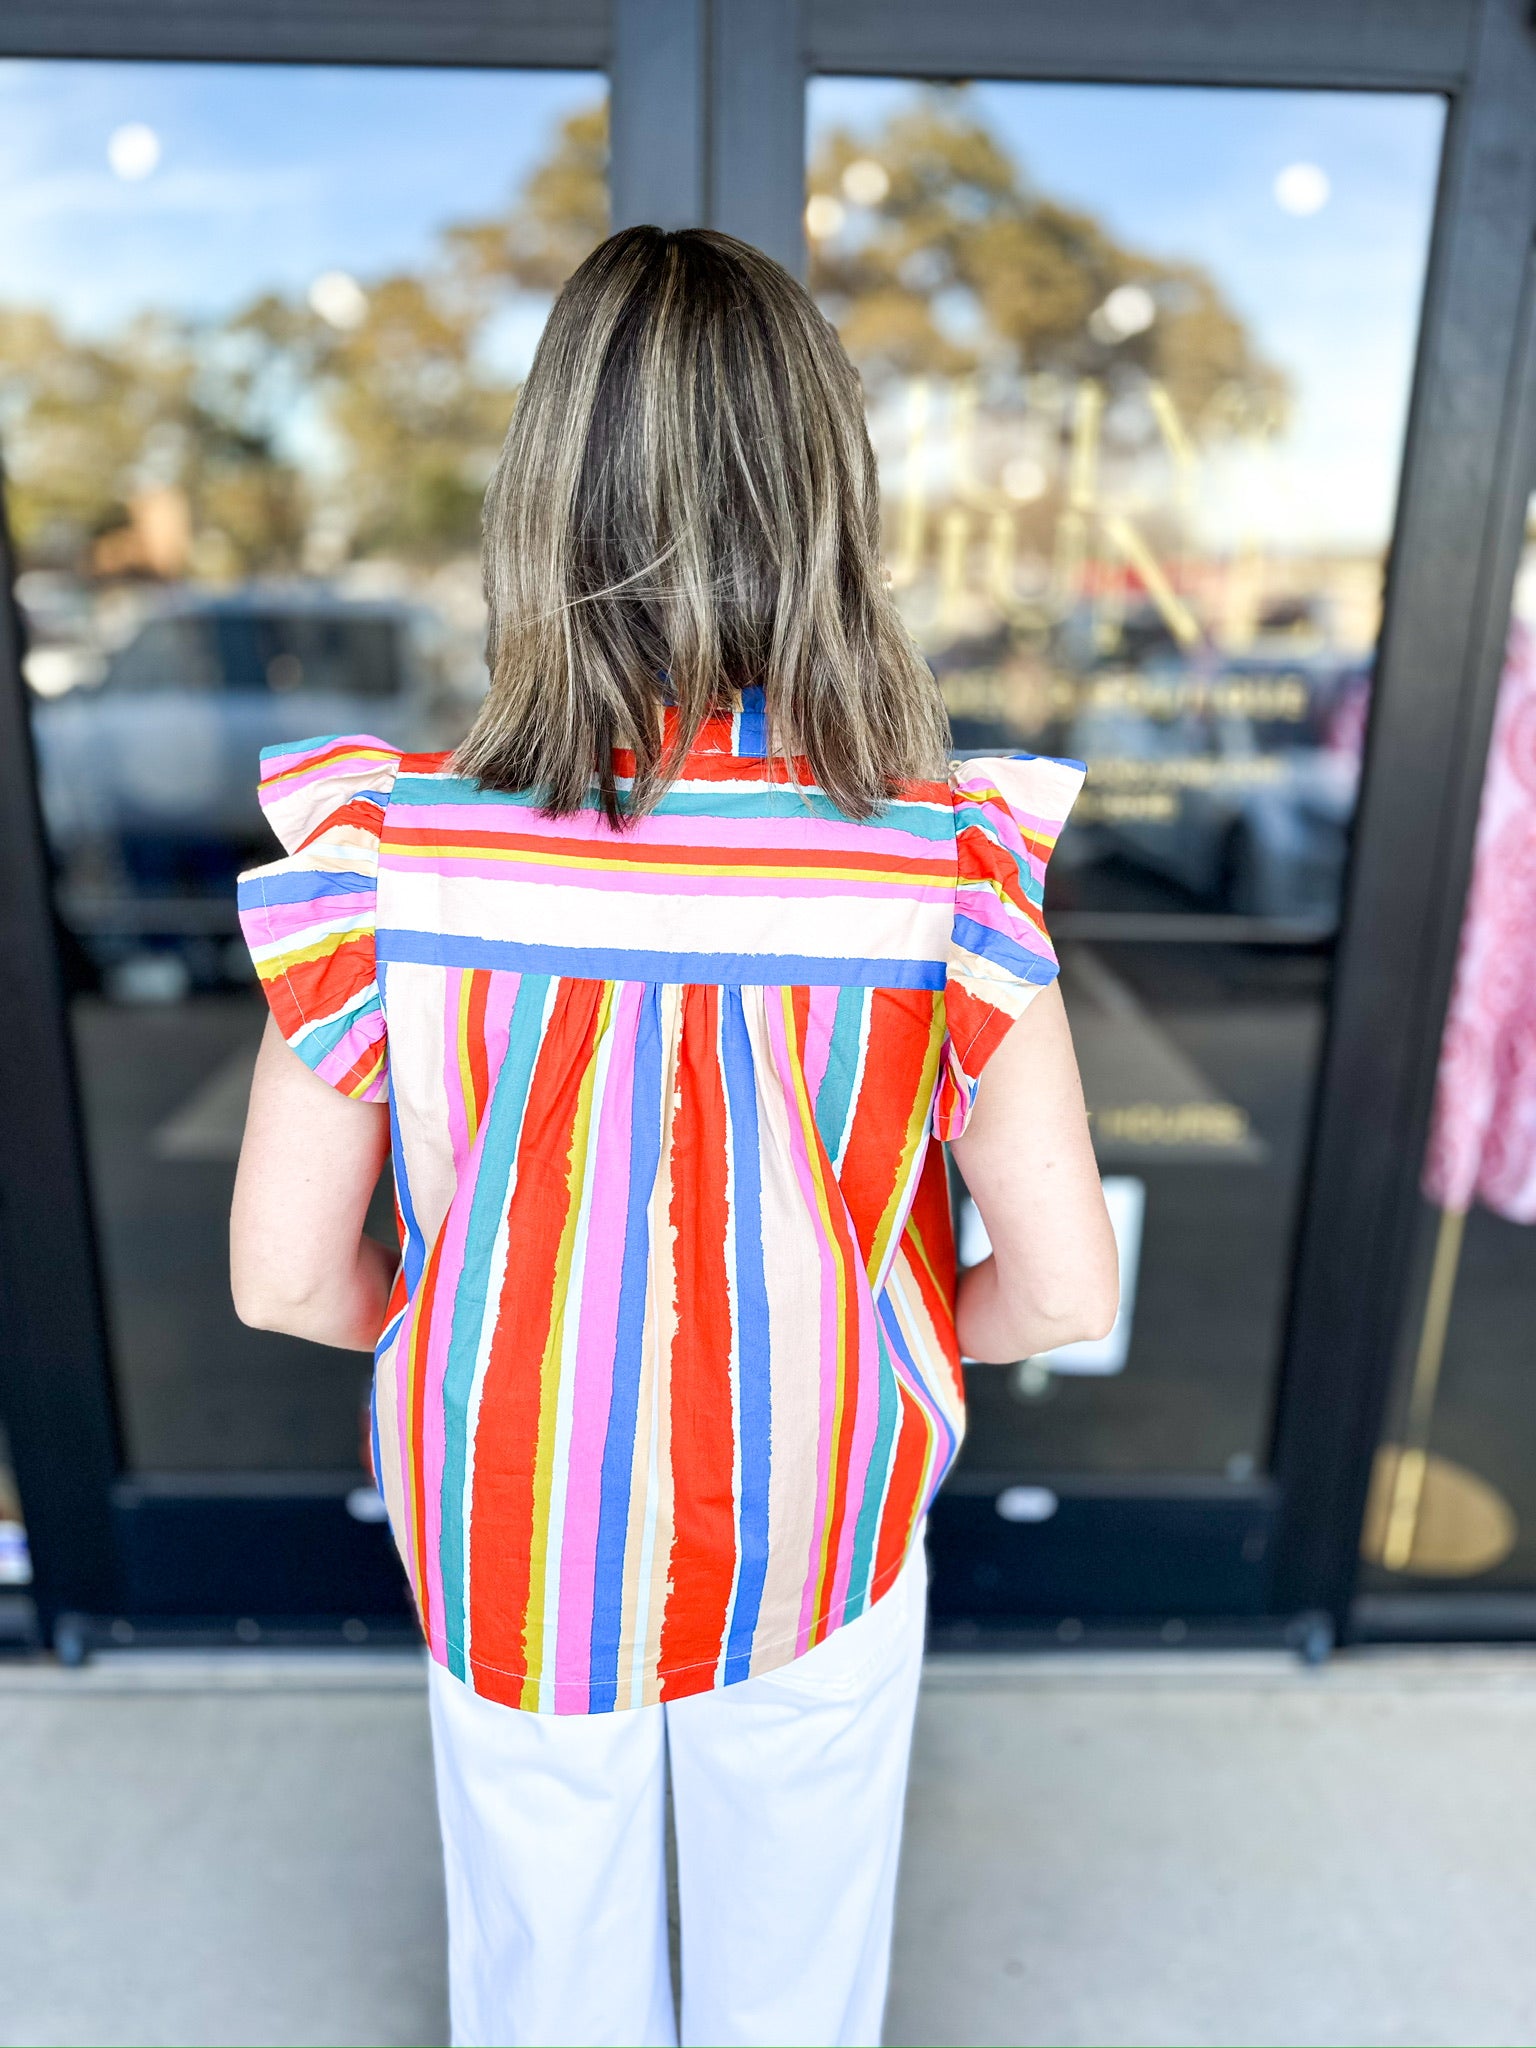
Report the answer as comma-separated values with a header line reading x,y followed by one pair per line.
x,y
305,784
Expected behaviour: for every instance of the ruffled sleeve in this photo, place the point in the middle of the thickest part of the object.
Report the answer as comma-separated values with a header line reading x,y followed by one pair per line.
x,y
1008,815
309,919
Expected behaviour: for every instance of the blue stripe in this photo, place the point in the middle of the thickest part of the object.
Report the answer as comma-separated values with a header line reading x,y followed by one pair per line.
x,y
624,1400
948,1442
834,1098
621,963
867,1526
413,1251
255,892
753,723
493,1186
992,946
753,1382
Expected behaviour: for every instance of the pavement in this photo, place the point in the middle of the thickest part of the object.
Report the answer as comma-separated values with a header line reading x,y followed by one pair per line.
x,y
1192,1848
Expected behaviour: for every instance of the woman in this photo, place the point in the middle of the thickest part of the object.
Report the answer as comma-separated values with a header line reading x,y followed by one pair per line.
x,y
656,993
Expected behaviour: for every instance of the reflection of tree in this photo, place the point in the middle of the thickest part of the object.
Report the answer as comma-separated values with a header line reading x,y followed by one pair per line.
x,y
959,266
288,437
561,214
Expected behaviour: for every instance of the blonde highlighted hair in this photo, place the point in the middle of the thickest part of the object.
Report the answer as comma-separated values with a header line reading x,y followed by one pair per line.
x,y
685,505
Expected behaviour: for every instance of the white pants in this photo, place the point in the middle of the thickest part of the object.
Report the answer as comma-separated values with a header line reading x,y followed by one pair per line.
x,y
787,1795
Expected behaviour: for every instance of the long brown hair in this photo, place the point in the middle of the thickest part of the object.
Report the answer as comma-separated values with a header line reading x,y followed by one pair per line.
x,y
686,504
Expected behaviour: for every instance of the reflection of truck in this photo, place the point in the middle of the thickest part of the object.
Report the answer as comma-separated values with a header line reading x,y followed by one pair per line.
x,y
148,780
1247,811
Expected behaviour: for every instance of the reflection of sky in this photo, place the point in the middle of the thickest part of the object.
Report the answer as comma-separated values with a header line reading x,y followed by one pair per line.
x,y
271,174
268,176
1332,298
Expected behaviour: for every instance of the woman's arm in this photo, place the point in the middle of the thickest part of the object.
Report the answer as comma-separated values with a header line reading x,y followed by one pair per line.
x,y
1027,1158
298,1259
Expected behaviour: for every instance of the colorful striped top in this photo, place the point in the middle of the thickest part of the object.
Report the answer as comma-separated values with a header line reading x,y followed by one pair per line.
x,y
669,1376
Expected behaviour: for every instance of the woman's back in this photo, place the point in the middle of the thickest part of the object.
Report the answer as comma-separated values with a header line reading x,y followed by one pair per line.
x,y
670,1374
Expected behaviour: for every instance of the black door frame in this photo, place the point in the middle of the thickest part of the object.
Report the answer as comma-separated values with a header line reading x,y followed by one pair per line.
x,y
707,102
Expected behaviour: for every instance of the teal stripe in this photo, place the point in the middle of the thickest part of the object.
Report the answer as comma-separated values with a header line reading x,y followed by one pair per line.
x,y
471,1297
934,822
867,1528
317,1039
834,1098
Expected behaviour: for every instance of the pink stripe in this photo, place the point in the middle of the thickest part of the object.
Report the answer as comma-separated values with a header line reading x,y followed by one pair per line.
x,y
602,1272
805,1174
984,906
433,1432
453,1085
631,881
500,1000
803,835
284,920
864,1390
822,1015
349,1049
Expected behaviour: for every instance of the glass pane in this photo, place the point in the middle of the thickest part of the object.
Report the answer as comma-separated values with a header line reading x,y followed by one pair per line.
x,y
1454,1493
1137,363
260,332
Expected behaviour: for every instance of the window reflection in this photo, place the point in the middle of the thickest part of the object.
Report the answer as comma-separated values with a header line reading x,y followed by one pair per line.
x,y
1137,362
261,329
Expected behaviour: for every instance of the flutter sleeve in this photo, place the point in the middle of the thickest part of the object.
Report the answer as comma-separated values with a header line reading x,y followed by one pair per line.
x,y
309,919
1008,815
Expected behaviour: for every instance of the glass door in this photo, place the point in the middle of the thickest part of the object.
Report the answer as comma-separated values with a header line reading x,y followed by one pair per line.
x,y
1137,361
261,328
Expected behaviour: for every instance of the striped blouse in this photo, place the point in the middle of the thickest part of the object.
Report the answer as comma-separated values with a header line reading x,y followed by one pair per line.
x,y
669,1376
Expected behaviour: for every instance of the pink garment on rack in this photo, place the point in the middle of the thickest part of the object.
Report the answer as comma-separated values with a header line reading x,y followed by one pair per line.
x,y
1482,1142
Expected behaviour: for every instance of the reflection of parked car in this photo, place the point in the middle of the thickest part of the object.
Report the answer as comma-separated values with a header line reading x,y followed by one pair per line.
x,y
148,780
1249,812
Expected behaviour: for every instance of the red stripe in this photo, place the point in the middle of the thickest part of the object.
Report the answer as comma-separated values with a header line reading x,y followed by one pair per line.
x,y
507,1439
906,1483
982,859
899,1024
628,851
322,986
479,1069
928,1247
703,1429
367,813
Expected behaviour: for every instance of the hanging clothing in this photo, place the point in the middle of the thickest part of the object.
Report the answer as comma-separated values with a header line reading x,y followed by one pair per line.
x,y
670,1376
1483,1135
787,1796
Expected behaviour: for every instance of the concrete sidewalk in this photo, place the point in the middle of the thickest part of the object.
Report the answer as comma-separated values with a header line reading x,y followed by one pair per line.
x,y
1100,1850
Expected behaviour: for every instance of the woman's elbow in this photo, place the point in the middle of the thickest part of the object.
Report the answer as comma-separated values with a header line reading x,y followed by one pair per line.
x,y
1099,1310
261,1304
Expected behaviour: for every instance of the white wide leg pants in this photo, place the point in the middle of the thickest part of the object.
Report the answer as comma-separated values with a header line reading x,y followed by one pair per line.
x,y
787,1797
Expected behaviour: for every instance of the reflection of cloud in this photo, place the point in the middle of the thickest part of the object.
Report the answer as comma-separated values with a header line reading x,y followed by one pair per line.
x,y
315,168
186,192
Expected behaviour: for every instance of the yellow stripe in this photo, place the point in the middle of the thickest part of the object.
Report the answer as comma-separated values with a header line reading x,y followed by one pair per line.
x,y
711,870
917,1121
271,966
466,1074
336,765
360,1088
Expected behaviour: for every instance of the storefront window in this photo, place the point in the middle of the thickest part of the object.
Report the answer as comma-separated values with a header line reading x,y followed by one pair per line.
x,y
1137,363
260,333
1453,1499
